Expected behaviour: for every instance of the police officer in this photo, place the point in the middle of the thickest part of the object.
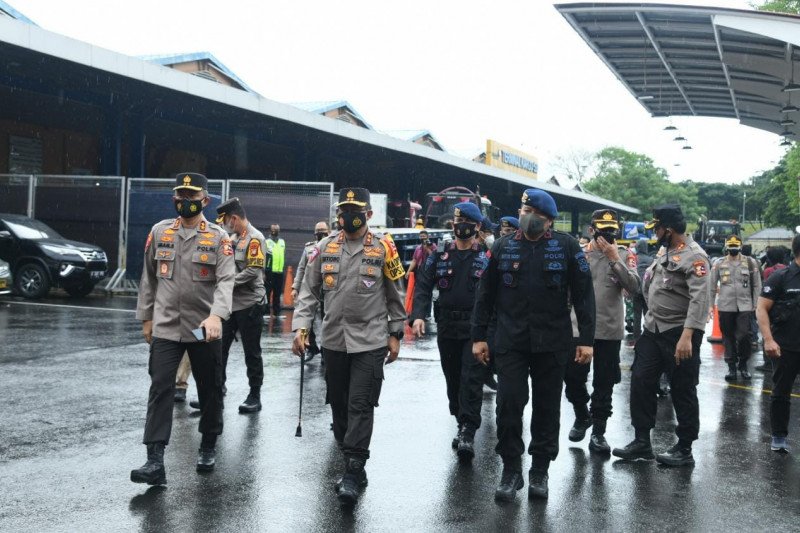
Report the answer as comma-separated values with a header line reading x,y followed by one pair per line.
x,y
353,272
779,321
737,280
486,233
532,278
676,285
249,298
613,272
508,225
276,248
321,231
186,285
455,270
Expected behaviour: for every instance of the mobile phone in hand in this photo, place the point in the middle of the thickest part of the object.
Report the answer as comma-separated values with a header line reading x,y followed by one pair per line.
x,y
199,334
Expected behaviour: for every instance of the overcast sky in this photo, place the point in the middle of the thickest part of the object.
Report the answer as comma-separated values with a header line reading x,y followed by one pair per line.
x,y
513,71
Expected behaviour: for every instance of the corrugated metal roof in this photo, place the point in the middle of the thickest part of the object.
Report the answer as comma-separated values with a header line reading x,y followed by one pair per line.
x,y
772,234
699,61
174,59
322,107
13,13
413,135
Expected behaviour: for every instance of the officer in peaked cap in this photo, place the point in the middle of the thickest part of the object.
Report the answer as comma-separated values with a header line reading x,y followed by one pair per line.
x,y
736,279
676,290
353,273
533,278
186,287
455,269
508,225
613,269
249,298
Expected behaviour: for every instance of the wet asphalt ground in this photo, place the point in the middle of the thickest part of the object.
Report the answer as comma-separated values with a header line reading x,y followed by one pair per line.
x,y
74,389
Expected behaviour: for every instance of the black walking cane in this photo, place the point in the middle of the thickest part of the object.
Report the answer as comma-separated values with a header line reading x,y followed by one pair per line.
x,y
303,335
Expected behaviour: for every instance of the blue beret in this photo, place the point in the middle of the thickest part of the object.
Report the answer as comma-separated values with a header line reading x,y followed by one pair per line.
x,y
468,210
541,201
487,224
510,221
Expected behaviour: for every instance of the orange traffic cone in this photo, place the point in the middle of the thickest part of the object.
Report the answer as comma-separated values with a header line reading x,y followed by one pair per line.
x,y
410,293
288,301
716,332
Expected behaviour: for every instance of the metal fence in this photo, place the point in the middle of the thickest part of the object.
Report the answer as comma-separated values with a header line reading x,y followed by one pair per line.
x,y
16,194
149,201
295,205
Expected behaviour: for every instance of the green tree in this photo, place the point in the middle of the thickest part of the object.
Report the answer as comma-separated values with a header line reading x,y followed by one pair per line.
x,y
779,6
721,201
633,179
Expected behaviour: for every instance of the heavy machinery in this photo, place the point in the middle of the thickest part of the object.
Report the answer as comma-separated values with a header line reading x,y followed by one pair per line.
x,y
712,234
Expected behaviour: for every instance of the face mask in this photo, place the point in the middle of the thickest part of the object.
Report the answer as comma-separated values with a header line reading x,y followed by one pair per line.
x,y
188,208
489,241
734,251
229,227
464,230
531,224
609,236
352,222
320,235
273,233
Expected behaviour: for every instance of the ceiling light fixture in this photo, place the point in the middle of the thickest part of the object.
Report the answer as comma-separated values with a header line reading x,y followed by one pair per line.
x,y
650,96
679,138
670,128
789,108
687,147
787,122
791,87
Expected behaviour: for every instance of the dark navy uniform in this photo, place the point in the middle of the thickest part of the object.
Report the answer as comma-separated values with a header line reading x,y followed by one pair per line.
x,y
531,285
456,274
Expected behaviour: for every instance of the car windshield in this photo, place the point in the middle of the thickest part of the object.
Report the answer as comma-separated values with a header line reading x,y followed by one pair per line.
x,y
31,229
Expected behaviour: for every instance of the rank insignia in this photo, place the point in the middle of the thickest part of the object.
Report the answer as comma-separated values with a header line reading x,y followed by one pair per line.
x,y
207,243
208,235
328,267
169,231
676,258
166,238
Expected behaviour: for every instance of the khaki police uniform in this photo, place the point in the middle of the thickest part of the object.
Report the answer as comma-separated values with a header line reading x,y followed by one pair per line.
x,y
739,281
308,250
610,282
356,282
188,275
676,291
249,299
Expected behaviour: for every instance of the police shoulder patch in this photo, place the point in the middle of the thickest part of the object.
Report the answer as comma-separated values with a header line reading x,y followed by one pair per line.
x,y
227,246
700,268
255,254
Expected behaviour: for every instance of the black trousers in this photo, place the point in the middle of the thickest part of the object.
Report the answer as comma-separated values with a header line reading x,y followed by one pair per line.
x,y
354,383
735,326
276,291
206,359
546,371
783,379
654,355
606,374
248,323
639,310
464,377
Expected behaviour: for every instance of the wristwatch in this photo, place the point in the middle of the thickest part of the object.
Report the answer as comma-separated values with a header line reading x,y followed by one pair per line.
x,y
397,335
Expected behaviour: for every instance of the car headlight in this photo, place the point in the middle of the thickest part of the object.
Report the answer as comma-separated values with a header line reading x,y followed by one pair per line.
x,y
4,272
61,250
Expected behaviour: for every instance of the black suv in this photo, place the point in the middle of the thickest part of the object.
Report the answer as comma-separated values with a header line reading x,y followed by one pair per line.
x,y
40,258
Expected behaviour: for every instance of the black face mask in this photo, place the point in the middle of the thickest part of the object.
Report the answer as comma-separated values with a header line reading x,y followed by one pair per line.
x,y
665,240
609,236
352,222
464,230
273,233
531,224
734,251
320,235
188,208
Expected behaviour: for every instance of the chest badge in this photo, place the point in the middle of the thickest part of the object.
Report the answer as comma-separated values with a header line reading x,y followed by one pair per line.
x,y
368,283
164,268
204,257
329,280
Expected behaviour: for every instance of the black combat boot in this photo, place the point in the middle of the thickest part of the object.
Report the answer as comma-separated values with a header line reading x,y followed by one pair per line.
x,y
152,472
354,479
466,444
746,375
582,423
457,438
194,404
180,395
597,442
510,482
639,448
731,375
206,455
678,455
537,478
491,382
253,402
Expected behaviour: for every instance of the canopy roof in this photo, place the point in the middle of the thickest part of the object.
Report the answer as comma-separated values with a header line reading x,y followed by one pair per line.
x,y
699,61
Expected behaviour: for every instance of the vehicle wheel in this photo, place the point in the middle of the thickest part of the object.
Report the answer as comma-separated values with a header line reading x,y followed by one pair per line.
x,y
81,290
31,281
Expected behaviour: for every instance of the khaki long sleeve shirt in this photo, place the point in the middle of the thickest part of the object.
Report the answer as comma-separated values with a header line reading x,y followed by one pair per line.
x,y
609,283
739,282
249,255
188,275
362,304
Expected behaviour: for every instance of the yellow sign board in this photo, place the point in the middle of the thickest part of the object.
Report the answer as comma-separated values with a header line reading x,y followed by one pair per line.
x,y
502,156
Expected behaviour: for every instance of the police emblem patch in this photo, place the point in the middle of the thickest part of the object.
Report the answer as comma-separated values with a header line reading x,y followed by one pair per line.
x,y
700,269
508,279
204,272
328,267
356,222
368,283
552,242
443,283
204,257
164,268
329,280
